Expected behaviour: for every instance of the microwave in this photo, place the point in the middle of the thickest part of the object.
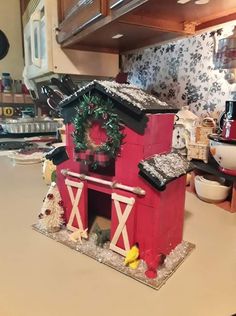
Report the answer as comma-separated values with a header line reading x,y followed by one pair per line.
x,y
44,56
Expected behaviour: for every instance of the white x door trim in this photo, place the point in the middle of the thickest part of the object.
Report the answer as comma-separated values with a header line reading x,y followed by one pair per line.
x,y
75,213
122,218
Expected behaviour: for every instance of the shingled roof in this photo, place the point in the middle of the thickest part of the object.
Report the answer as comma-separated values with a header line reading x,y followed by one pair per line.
x,y
130,102
159,170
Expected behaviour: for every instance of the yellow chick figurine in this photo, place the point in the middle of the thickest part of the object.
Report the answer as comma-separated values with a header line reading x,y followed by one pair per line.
x,y
131,258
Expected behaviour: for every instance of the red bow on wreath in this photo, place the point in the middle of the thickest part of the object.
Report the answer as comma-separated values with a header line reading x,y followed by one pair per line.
x,y
89,157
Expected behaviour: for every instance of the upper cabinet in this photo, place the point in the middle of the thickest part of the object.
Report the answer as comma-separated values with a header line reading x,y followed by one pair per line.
x,y
44,56
23,5
76,15
121,25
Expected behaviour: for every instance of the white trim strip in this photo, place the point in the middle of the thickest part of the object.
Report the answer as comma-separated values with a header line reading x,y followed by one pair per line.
x,y
114,185
75,213
122,218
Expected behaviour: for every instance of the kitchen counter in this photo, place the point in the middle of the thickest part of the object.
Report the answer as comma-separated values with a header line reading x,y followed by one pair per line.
x,y
39,277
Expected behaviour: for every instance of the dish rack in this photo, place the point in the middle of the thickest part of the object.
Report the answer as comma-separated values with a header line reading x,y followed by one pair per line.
x,y
21,127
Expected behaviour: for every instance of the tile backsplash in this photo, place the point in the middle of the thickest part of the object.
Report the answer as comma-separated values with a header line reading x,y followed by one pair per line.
x,y
183,72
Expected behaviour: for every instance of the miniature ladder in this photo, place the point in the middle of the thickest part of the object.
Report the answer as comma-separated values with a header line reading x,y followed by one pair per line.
x,y
122,218
75,213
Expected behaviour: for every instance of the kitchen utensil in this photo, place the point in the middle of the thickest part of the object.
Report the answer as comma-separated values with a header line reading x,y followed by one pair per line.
x,y
52,104
229,127
61,86
221,120
67,81
54,97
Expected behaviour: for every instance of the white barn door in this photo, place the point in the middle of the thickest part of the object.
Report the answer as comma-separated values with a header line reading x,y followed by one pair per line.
x,y
121,229
76,212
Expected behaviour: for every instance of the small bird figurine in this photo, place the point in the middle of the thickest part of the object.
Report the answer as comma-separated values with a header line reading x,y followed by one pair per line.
x,y
131,258
78,235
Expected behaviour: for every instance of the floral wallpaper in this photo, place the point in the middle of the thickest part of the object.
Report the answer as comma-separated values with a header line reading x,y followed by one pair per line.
x,y
183,72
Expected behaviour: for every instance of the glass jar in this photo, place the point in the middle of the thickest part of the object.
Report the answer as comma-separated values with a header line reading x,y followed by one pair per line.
x,y
6,82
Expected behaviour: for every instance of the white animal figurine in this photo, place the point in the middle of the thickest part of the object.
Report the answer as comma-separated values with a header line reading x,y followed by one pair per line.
x,y
78,235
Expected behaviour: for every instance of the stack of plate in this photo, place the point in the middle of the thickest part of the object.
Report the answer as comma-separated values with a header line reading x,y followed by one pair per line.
x,y
26,159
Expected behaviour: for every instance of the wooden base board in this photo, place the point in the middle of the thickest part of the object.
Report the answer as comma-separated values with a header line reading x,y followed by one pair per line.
x,y
116,261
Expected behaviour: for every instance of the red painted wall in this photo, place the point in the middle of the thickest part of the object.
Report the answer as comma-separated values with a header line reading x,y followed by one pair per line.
x,y
156,221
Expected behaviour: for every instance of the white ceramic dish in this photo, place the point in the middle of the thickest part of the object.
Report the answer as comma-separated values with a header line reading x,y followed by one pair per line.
x,y
211,191
27,162
224,154
23,159
212,180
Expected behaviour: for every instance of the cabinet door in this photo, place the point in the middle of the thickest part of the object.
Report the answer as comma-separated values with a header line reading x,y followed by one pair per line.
x,y
115,3
23,5
75,16
64,7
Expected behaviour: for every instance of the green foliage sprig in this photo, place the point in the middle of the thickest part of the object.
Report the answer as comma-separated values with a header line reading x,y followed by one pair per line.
x,y
91,109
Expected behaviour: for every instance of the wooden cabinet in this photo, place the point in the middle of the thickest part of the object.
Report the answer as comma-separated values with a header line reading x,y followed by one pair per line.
x,y
114,3
64,8
90,9
92,24
79,19
83,10
23,5
77,15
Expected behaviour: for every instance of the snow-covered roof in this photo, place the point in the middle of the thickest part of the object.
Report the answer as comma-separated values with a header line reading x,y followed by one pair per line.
x,y
129,102
161,169
127,94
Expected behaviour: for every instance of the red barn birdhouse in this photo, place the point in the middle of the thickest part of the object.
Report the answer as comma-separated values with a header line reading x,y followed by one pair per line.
x,y
118,164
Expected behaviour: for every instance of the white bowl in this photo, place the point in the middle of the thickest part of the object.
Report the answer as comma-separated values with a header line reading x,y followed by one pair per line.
x,y
224,154
212,180
211,191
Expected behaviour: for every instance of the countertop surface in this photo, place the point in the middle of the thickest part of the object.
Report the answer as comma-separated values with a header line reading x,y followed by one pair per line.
x,y
40,277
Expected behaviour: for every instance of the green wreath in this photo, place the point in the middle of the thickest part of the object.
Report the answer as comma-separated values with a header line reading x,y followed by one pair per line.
x,y
92,109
